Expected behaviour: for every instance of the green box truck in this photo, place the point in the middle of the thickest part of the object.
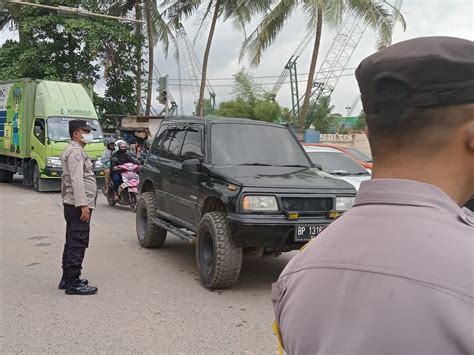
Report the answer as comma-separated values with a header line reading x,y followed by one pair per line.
x,y
34,129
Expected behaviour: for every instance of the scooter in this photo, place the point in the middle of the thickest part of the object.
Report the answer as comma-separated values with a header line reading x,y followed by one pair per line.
x,y
128,190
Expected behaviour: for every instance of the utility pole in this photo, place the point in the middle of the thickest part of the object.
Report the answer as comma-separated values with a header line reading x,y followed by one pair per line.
x,y
66,10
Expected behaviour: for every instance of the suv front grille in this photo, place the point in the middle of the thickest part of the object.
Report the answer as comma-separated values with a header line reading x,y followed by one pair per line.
x,y
296,204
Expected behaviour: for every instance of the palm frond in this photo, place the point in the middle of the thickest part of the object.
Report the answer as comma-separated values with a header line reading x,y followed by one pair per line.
x,y
242,11
179,9
204,17
267,31
376,16
397,16
161,29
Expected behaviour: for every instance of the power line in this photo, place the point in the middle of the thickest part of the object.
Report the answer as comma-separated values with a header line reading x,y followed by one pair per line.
x,y
233,85
262,77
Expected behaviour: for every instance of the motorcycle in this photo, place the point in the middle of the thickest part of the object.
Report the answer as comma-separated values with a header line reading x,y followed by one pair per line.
x,y
128,189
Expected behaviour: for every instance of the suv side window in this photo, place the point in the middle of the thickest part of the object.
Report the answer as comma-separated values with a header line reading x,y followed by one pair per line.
x,y
176,143
192,147
166,143
158,141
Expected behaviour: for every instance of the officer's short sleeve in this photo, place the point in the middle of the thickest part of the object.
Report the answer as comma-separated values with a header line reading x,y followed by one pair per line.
x,y
75,162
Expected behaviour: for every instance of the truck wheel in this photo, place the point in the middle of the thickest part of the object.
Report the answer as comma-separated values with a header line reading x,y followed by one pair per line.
x,y
36,177
6,176
219,259
149,235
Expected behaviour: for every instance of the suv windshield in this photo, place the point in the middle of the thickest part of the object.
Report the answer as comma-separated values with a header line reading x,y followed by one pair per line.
x,y
58,129
337,163
251,144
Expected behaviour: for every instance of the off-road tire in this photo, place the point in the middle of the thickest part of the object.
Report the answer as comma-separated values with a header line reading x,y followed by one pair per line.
x,y
149,235
6,176
223,270
36,176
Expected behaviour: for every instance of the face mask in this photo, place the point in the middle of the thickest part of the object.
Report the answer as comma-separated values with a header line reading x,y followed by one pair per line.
x,y
87,138
122,151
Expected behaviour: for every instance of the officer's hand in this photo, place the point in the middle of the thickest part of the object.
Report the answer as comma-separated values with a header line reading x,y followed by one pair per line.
x,y
86,214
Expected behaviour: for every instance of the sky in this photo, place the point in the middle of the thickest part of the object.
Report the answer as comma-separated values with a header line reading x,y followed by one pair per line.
x,y
453,18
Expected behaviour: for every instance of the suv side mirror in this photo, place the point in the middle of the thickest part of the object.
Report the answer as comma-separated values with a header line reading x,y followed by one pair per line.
x,y
191,165
318,166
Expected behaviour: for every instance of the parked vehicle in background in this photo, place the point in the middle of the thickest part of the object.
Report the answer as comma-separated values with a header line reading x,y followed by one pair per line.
x,y
34,129
337,163
233,186
363,159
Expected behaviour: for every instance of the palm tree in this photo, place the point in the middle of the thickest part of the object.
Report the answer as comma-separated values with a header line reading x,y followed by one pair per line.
x,y
373,12
240,11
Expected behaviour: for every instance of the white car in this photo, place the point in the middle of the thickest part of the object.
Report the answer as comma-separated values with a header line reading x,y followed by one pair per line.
x,y
336,163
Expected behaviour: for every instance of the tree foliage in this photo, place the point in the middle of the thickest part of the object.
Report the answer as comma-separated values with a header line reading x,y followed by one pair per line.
x,y
361,121
321,115
249,101
78,50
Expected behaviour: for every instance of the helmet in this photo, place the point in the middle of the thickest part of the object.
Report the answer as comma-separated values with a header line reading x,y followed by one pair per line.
x,y
119,143
109,141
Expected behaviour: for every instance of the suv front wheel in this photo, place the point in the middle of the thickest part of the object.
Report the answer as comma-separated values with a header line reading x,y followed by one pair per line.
x,y
149,235
219,260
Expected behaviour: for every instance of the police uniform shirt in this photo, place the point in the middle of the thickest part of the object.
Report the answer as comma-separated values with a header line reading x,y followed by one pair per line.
x,y
79,187
393,275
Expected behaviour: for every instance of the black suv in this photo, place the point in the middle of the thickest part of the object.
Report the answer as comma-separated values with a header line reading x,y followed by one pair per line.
x,y
233,186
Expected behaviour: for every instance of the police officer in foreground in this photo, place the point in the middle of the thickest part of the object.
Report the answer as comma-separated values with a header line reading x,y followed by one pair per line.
x,y
79,193
394,275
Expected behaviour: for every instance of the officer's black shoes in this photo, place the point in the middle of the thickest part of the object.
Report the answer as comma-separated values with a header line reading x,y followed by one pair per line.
x,y
81,289
62,283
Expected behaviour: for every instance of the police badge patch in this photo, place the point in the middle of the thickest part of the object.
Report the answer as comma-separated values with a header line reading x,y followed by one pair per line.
x,y
78,157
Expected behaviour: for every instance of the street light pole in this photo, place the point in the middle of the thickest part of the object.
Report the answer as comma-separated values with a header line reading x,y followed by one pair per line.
x,y
73,11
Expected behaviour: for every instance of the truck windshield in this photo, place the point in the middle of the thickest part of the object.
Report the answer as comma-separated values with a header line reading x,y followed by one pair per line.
x,y
251,144
58,129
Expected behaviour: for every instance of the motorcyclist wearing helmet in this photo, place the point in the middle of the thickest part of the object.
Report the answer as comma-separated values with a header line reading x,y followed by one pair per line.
x,y
105,160
120,157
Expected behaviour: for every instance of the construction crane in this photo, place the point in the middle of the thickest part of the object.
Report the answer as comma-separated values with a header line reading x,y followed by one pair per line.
x,y
192,68
337,58
290,69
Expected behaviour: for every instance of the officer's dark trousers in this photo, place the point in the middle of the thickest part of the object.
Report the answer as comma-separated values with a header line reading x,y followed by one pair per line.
x,y
77,240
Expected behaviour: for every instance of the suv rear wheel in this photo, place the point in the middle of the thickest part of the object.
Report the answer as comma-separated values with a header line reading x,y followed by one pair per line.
x,y
149,235
219,260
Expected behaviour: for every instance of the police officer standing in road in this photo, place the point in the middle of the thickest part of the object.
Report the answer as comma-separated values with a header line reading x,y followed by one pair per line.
x,y
79,193
394,275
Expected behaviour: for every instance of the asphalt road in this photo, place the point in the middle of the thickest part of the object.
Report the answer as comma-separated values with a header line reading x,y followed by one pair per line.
x,y
149,301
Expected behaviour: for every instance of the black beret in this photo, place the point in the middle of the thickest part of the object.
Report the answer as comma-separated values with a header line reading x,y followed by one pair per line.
x,y
421,72
74,125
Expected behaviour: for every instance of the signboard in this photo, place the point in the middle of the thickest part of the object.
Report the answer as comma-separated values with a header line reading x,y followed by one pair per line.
x,y
337,138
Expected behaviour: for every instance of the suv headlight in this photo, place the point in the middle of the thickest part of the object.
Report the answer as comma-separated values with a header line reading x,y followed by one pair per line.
x,y
344,203
53,162
260,204
98,165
